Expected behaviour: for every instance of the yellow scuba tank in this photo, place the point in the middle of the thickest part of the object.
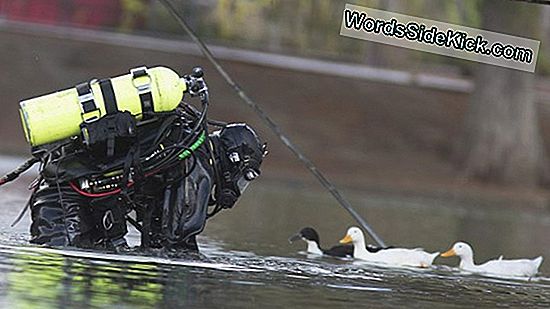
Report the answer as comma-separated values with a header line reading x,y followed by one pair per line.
x,y
56,116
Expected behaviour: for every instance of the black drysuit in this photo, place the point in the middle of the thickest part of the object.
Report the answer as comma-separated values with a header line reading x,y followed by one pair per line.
x,y
169,207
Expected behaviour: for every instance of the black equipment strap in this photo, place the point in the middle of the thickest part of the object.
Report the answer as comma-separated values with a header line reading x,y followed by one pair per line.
x,y
146,103
110,108
86,98
139,72
144,91
108,96
88,106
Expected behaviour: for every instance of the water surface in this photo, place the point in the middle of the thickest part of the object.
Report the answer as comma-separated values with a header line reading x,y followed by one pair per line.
x,y
246,260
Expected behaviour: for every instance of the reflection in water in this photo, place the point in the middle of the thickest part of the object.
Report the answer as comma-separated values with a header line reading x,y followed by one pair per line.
x,y
55,282
34,276
59,278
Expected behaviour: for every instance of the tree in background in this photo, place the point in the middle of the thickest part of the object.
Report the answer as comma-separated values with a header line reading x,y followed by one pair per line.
x,y
501,140
133,14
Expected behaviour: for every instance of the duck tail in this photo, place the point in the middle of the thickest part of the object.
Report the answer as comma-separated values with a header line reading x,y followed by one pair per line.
x,y
538,261
434,255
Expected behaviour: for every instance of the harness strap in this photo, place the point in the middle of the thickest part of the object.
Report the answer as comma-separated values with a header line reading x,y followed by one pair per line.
x,y
108,94
144,90
88,107
111,108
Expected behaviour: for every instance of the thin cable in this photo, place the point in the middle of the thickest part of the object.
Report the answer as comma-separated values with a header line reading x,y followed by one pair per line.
x,y
30,201
273,126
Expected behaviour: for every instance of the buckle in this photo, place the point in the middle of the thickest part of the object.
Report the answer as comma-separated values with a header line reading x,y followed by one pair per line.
x,y
93,118
137,73
143,88
87,102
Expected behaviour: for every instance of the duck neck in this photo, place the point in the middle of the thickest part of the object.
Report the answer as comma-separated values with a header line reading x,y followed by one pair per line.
x,y
359,249
313,247
466,262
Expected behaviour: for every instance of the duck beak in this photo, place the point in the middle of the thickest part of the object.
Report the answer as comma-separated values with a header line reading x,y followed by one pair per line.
x,y
294,238
346,240
449,253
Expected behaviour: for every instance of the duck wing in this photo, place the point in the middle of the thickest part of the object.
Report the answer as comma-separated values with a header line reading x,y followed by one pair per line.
x,y
404,257
519,268
374,249
340,251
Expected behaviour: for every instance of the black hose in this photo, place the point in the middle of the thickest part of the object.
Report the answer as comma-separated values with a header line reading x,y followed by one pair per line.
x,y
136,224
273,126
18,171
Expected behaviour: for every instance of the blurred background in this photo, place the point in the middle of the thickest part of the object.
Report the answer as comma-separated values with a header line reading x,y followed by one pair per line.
x,y
430,149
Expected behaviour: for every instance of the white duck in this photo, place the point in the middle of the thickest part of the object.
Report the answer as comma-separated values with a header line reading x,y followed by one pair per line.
x,y
392,256
500,267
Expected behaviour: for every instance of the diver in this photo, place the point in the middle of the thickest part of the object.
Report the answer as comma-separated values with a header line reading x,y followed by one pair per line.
x,y
130,150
